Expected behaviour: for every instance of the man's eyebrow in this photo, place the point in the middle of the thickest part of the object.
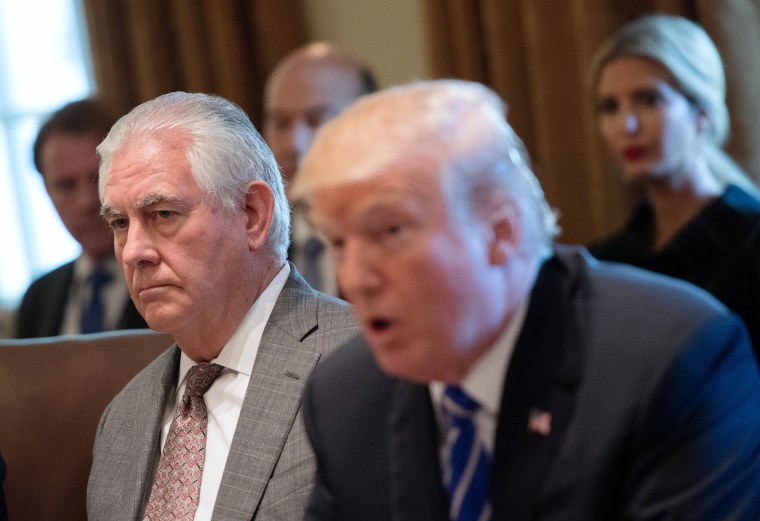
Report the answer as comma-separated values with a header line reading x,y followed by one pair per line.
x,y
154,199
107,211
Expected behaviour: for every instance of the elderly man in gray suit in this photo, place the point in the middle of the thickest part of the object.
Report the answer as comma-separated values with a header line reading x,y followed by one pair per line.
x,y
211,429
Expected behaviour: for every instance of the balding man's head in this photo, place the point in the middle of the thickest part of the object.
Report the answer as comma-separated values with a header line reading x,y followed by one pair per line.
x,y
311,85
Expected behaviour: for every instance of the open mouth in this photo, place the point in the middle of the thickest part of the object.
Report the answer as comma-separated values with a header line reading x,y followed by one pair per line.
x,y
378,325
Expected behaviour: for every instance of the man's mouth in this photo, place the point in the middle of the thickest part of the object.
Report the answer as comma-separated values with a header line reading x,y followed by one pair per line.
x,y
378,325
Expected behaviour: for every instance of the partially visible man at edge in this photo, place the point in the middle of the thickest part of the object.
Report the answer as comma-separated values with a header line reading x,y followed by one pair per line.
x,y
500,376
310,86
61,302
200,221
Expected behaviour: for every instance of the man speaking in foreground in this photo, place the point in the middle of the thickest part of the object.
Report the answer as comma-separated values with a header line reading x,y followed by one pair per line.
x,y
500,376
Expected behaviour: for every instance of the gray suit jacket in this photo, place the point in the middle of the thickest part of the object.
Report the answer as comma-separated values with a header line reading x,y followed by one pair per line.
x,y
269,471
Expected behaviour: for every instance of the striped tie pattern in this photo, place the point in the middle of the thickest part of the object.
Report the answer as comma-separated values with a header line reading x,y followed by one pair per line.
x,y
467,478
177,488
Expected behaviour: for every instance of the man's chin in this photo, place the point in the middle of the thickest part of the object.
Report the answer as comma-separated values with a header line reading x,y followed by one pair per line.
x,y
399,366
159,320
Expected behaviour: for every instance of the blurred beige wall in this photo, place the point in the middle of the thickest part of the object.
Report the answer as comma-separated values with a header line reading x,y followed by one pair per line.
x,y
386,34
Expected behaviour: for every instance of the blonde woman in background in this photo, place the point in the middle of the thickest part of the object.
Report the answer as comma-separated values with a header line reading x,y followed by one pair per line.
x,y
660,100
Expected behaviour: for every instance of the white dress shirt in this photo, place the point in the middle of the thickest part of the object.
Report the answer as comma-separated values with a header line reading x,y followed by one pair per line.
x,y
484,383
114,296
224,399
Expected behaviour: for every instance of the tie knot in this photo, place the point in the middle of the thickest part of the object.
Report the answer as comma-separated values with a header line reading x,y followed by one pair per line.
x,y
457,403
201,376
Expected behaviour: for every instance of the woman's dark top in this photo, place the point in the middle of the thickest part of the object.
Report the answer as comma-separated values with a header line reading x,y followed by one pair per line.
x,y
718,250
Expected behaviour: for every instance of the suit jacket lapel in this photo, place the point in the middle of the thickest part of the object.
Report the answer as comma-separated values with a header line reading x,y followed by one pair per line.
x,y
415,476
153,400
538,393
51,317
283,364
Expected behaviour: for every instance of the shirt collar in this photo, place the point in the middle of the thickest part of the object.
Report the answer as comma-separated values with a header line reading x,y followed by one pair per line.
x,y
485,380
84,266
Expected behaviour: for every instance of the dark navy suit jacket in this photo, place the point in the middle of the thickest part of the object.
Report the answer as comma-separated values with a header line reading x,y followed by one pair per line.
x,y
653,392
41,310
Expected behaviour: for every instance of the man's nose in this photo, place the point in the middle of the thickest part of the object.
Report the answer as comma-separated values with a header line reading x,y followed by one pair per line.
x,y
137,248
301,137
357,270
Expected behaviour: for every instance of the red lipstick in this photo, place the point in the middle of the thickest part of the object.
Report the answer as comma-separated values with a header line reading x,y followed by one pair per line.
x,y
633,153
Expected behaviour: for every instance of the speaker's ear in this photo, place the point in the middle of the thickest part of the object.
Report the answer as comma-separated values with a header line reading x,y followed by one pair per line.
x,y
505,227
259,207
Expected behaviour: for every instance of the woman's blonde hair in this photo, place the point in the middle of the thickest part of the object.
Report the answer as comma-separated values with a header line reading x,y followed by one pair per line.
x,y
688,54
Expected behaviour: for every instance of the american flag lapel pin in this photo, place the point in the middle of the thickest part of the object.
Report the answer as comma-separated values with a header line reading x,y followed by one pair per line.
x,y
539,421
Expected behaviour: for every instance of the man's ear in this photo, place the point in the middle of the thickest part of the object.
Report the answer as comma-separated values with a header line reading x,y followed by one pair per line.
x,y
505,235
259,207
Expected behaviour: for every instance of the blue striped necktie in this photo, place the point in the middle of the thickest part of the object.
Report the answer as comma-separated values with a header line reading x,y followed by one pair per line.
x,y
467,478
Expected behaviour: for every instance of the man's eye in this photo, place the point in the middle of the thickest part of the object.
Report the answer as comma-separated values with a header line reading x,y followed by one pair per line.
x,y
280,124
315,121
164,214
118,224
393,229
65,186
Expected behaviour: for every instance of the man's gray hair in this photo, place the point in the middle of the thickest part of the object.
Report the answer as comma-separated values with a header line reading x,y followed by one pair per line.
x,y
225,152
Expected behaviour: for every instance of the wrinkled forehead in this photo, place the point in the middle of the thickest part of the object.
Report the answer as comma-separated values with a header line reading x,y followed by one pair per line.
x,y
143,152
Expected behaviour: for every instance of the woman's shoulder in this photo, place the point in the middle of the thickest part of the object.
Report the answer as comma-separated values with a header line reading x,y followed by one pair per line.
x,y
742,202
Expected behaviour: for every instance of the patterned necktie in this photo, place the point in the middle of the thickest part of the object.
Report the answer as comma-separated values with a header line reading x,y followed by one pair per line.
x,y
94,311
177,488
467,478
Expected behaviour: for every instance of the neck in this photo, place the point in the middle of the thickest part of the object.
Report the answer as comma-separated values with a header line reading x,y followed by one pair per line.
x,y
676,200
519,279
203,340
